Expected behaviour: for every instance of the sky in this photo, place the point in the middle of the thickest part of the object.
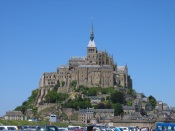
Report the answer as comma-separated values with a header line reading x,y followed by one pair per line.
x,y
38,36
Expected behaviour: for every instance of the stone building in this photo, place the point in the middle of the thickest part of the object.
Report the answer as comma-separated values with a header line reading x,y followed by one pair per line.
x,y
128,109
103,114
96,69
85,115
89,114
14,115
95,100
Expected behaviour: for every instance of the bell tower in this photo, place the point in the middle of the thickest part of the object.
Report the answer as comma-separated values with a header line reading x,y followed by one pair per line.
x,y
91,49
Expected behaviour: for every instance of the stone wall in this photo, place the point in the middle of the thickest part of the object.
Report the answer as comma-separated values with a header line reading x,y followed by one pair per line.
x,y
135,123
42,107
69,112
139,123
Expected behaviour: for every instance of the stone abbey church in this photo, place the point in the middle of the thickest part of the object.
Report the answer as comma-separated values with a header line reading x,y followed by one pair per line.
x,y
96,69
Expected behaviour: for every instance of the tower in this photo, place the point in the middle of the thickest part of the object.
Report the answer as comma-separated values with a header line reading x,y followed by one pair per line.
x,y
91,49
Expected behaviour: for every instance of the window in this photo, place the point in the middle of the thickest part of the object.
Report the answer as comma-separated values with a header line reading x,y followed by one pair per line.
x,y
2,128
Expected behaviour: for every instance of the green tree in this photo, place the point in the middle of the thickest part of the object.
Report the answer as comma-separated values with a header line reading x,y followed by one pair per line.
x,y
92,91
108,105
74,83
62,96
51,96
63,83
118,97
111,90
131,92
77,103
101,106
33,96
21,108
143,112
118,109
83,89
104,90
152,101
29,104
129,103
87,103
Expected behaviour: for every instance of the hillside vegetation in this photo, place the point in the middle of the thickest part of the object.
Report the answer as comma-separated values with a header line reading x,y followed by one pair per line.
x,y
29,104
78,98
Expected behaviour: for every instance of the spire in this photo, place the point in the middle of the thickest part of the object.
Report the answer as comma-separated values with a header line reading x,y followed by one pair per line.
x,y
91,42
92,32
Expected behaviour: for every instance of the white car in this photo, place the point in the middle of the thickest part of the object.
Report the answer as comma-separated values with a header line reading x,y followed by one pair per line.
x,y
110,129
62,129
8,128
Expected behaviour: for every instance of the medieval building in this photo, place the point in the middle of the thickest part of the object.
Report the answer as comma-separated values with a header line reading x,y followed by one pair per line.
x,y
96,69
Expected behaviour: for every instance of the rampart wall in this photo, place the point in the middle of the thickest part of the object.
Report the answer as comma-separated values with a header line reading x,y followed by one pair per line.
x,y
139,123
42,107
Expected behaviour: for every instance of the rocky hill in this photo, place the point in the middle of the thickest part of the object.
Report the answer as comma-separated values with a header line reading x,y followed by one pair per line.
x,y
83,97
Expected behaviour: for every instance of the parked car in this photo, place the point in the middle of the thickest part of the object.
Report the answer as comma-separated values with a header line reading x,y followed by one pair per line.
x,y
62,129
124,128
47,128
110,129
8,128
117,129
20,127
29,128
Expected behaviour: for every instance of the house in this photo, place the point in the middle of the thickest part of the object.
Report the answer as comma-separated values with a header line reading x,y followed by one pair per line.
x,y
89,114
140,95
128,97
138,104
104,113
128,109
95,100
148,106
14,115
85,115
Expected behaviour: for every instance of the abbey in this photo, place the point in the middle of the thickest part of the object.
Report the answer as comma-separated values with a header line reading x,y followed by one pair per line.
x,y
96,69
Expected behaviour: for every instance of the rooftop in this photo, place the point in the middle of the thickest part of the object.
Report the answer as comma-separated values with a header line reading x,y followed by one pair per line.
x,y
77,58
14,113
91,44
96,66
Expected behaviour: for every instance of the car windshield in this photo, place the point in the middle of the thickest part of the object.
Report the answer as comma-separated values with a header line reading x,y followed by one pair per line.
x,y
11,128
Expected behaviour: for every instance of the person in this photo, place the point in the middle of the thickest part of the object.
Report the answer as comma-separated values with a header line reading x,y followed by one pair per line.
x,y
138,129
152,129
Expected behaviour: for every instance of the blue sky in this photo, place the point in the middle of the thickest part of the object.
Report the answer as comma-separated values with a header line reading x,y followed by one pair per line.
x,y
38,36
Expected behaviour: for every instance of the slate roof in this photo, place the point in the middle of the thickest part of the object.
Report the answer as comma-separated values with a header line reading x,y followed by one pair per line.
x,y
95,97
88,110
14,113
77,58
91,44
120,69
105,110
128,108
49,73
96,66
64,66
